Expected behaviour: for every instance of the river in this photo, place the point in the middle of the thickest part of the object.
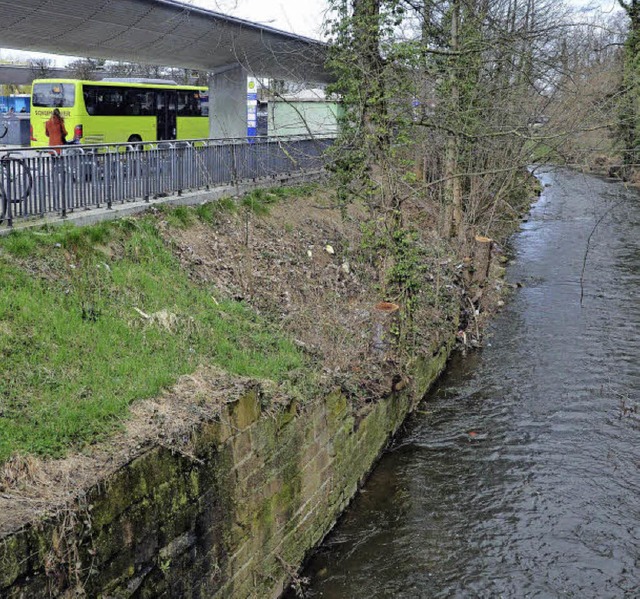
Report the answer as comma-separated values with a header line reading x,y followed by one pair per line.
x,y
519,475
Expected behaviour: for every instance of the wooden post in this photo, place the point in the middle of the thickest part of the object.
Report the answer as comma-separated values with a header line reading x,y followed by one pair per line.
x,y
482,259
383,316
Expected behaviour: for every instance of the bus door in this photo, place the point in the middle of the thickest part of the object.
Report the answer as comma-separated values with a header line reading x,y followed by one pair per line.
x,y
166,110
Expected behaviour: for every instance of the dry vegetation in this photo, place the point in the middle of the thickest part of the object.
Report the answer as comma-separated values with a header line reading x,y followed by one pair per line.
x,y
310,270
313,270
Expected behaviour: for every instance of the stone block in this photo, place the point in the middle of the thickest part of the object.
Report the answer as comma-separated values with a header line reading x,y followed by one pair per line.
x,y
241,446
245,411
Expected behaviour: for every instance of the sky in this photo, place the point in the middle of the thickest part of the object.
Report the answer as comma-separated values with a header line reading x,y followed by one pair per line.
x,y
304,17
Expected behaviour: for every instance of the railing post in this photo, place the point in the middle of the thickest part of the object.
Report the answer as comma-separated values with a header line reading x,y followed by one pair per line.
x,y
145,170
107,178
8,197
63,187
95,184
234,163
179,168
7,191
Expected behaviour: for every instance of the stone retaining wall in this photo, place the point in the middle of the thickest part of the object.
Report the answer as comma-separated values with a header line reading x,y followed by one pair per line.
x,y
235,518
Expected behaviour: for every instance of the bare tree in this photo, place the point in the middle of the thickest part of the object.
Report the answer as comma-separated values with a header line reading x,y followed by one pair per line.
x,y
41,68
85,68
630,106
455,86
587,114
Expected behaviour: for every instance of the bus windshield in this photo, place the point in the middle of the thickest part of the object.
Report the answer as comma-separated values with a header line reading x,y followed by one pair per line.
x,y
49,95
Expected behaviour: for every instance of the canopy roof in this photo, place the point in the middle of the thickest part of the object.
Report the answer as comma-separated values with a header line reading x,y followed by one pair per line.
x,y
159,32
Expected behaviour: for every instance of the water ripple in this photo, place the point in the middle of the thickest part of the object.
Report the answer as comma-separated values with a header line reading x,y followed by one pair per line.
x,y
521,475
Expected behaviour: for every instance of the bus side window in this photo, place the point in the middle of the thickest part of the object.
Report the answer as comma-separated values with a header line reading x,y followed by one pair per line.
x,y
147,103
101,106
112,102
89,101
119,105
133,102
183,104
189,103
196,107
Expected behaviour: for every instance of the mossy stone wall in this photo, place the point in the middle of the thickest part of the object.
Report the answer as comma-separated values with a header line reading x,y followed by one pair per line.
x,y
235,518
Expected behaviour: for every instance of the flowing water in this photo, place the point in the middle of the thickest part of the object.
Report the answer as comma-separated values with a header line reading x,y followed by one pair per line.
x,y
519,476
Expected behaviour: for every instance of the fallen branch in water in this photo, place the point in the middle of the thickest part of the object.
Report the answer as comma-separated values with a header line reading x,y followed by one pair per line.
x,y
586,252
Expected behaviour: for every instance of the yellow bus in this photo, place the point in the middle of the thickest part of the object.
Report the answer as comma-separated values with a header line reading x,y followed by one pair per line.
x,y
120,110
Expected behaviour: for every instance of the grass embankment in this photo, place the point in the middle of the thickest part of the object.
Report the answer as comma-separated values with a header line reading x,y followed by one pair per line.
x,y
94,318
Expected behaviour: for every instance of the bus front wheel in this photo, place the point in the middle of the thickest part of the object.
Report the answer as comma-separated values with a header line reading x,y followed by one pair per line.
x,y
134,138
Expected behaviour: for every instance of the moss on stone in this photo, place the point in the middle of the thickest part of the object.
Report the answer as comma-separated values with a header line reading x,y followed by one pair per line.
x,y
263,489
337,405
12,553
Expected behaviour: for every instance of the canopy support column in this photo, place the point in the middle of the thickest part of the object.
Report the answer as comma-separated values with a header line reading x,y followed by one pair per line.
x,y
228,102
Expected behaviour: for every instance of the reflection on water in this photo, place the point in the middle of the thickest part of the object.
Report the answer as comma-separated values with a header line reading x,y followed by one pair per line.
x,y
519,476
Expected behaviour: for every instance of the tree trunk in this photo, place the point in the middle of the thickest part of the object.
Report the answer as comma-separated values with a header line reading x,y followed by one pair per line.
x,y
366,33
453,184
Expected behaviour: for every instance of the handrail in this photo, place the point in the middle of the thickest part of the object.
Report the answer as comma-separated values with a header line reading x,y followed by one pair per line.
x,y
73,177
210,140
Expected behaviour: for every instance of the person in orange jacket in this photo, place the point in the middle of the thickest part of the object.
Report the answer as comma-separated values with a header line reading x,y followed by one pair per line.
x,y
55,130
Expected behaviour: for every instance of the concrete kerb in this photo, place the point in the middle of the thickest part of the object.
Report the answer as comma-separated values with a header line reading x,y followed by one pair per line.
x,y
193,198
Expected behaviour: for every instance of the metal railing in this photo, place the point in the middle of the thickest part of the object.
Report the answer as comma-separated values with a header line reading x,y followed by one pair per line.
x,y
44,182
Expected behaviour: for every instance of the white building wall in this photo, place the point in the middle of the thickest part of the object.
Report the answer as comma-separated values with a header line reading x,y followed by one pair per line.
x,y
302,118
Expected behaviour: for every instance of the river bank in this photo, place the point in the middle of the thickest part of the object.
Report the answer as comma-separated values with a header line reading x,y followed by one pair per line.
x,y
287,288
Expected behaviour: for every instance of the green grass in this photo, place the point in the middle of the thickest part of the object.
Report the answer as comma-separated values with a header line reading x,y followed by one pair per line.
x,y
212,211
260,201
74,353
541,153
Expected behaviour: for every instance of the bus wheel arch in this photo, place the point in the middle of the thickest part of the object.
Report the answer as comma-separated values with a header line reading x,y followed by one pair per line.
x,y
134,138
